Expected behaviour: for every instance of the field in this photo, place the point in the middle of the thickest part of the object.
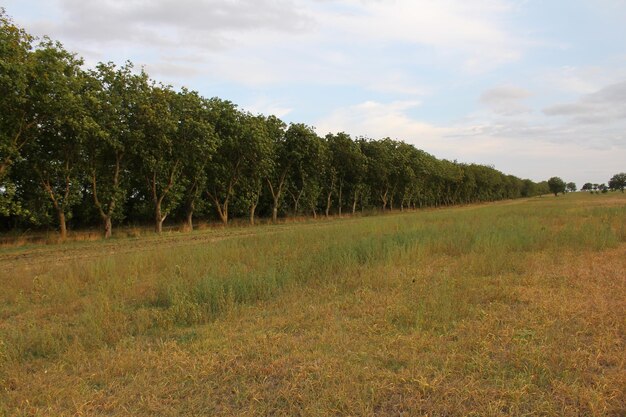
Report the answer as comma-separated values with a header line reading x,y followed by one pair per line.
x,y
514,308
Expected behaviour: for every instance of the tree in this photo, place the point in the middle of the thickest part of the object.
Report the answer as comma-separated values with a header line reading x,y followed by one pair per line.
x,y
224,172
380,167
196,137
556,185
258,161
306,151
159,155
408,168
587,187
618,182
348,163
243,146
113,99
54,152
16,115
571,187
282,160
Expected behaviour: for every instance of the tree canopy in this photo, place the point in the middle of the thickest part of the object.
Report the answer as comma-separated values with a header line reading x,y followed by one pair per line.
x,y
557,185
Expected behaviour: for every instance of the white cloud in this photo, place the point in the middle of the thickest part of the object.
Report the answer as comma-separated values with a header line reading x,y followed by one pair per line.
x,y
472,29
506,100
605,106
584,80
176,23
377,120
267,106
260,42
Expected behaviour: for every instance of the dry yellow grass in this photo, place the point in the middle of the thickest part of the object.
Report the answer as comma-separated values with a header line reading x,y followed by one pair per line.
x,y
504,310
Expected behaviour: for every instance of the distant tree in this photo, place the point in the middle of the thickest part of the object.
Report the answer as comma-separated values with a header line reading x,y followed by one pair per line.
x,y
543,188
529,188
571,187
618,182
587,187
603,188
556,185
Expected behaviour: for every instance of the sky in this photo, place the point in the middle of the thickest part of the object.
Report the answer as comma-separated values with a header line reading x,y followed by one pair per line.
x,y
535,88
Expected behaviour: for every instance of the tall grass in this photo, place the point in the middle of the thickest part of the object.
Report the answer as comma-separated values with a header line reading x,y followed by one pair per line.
x,y
506,309
50,308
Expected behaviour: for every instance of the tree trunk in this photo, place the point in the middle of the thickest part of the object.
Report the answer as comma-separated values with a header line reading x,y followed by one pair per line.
x,y
189,221
222,209
340,194
158,218
383,198
189,218
328,203
354,203
223,212
276,195
252,210
296,204
62,224
108,227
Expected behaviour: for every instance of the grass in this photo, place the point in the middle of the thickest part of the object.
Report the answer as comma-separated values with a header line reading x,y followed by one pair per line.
x,y
505,309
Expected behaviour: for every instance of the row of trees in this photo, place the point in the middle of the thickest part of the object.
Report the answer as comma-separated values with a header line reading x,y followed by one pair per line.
x,y
616,183
109,144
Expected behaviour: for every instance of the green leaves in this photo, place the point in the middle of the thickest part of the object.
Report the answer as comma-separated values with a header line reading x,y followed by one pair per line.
x,y
618,182
557,185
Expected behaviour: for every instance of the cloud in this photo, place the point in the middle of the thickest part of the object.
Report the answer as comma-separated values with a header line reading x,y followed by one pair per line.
x,y
376,120
506,100
607,105
267,106
262,42
176,23
475,30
